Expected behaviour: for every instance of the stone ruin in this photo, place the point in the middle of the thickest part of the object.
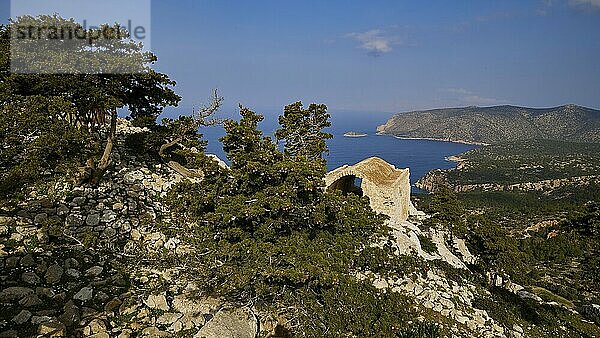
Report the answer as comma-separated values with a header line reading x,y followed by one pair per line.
x,y
388,188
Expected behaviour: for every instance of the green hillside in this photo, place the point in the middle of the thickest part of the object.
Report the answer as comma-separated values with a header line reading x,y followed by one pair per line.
x,y
498,124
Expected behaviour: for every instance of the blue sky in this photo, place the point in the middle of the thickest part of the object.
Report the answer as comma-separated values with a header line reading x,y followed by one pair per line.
x,y
381,56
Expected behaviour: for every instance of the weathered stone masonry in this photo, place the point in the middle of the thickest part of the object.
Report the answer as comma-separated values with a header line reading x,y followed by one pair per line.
x,y
388,188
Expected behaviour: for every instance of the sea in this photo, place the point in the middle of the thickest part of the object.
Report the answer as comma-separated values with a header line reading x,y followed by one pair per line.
x,y
421,156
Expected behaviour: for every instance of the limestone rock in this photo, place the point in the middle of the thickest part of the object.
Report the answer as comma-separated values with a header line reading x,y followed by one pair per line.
x,y
168,318
172,244
54,274
30,278
73,273
94,271
230,323
112,305
78,200
6,221
219,161
35,320
96,326
100,335
154,332
199,307
92,220
22,317
592,312
52,329
108,216
40,219
524,294
158,302
84,294
14,293
28,260
30,301
71,314
9,334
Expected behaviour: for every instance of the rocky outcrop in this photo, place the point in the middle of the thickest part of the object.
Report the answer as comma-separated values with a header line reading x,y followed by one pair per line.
x,y
77,262
62,253
433,180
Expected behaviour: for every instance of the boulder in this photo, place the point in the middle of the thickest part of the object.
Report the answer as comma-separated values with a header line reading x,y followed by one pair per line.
x,y
22,317
96,326
28,260
168,318
92,220
30,301
94,271
52,329
30,278
54,274
230,323
14,293
158,302
84,294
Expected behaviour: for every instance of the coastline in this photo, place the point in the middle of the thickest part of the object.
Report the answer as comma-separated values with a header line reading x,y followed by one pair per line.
x,y
436,139
455,158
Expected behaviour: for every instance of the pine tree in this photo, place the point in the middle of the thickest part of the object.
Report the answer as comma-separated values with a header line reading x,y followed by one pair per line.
x,y
302,130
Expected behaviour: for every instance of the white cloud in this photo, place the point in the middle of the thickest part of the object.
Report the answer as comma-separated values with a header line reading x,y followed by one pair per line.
x,y
375,41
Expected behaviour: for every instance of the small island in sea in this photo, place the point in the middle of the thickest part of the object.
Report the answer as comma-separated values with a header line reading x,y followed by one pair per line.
x,y
355,134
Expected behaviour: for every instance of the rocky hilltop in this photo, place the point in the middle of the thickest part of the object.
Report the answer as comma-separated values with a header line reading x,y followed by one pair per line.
x,y
81,261
497,124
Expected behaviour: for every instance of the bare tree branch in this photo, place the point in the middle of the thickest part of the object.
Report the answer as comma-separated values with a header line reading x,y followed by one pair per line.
x,y
200,118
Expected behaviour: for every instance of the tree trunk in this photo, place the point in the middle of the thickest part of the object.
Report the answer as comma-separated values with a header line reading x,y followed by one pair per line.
x,y
183,171
166,146
110,142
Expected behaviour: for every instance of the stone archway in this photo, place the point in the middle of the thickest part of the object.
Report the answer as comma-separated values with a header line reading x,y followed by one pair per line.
x,y
388,188
347,184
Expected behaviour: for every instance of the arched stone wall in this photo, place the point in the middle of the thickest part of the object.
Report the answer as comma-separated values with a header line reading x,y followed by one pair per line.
x,y
347,184
388,188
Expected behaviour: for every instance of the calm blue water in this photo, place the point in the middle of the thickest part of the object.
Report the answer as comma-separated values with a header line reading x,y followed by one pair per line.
x,y
418,155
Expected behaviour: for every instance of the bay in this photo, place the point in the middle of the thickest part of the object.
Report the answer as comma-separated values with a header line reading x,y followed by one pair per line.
x,y
420,156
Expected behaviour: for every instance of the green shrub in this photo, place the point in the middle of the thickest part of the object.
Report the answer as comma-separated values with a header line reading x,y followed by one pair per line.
x,y
268,233
36,145
427,245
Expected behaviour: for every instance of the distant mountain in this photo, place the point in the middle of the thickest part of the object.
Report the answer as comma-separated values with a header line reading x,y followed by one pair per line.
x,y
498,124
